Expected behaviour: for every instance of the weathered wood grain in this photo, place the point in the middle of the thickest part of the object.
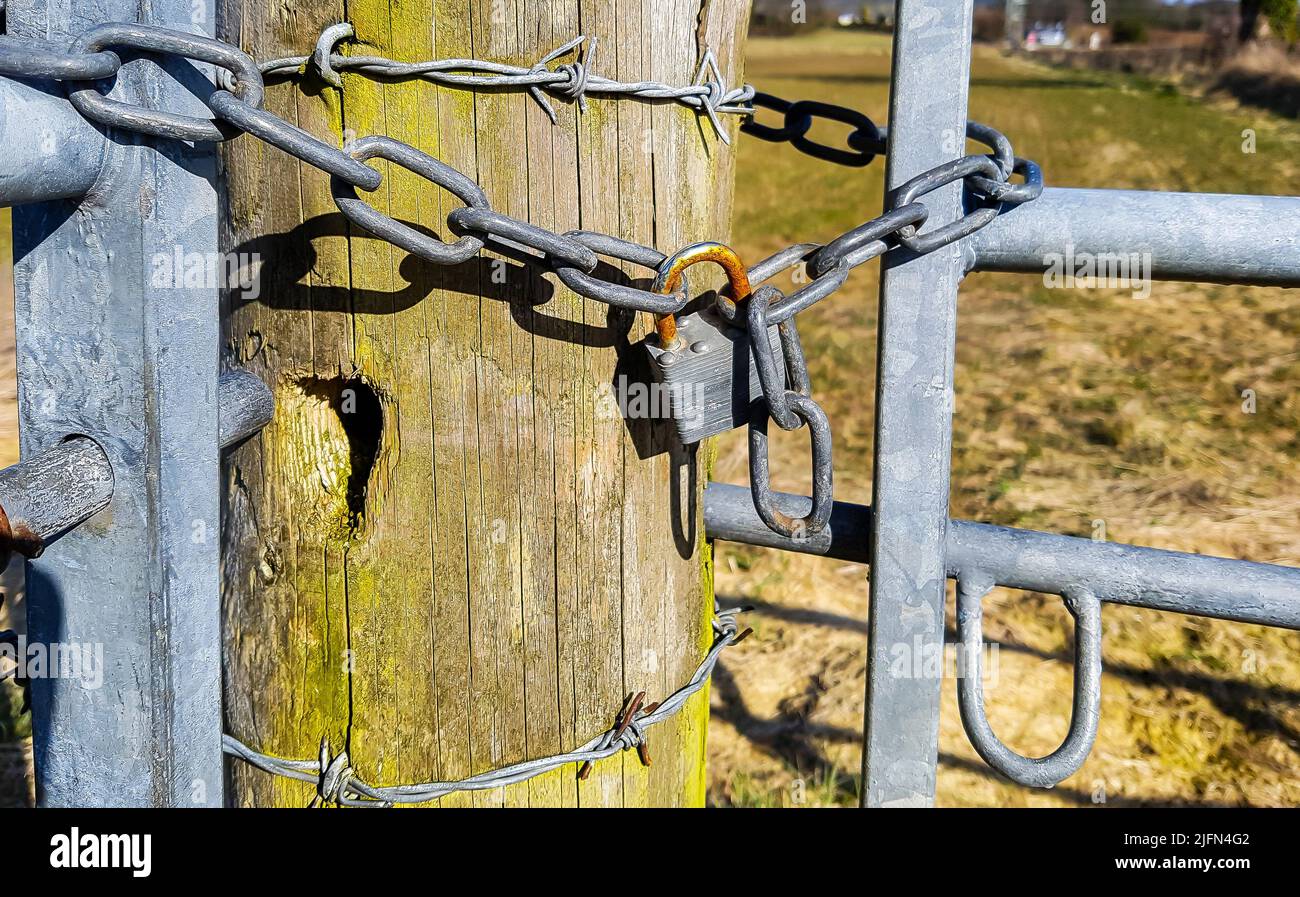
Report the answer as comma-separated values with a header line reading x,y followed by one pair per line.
x,y
480,562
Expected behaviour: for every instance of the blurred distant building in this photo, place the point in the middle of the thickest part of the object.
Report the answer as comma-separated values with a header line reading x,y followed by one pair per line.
x,y
1038,23
781,16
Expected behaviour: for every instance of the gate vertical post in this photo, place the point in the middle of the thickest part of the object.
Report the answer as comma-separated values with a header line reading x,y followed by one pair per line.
x,y
112,347
918,311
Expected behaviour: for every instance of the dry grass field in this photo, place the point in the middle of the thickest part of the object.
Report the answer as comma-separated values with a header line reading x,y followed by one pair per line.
x,y
1073,407
1075,410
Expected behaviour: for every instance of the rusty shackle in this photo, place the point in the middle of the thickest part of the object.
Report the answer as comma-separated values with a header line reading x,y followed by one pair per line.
x,y
669,279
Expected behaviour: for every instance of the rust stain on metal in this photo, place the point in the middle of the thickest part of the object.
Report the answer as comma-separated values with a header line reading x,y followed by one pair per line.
x,y
17,537
631,704
28,543
669,280
629,711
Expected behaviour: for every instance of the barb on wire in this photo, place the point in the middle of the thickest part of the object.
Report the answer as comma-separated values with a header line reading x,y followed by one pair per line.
x,y
573,81
337,783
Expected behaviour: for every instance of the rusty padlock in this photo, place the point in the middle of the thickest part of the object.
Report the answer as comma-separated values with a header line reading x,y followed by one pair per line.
x,y
703,360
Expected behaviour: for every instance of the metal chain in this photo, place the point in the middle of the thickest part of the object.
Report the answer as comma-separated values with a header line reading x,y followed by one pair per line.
x,y
987,190
337,783
791,409
573,256
866,141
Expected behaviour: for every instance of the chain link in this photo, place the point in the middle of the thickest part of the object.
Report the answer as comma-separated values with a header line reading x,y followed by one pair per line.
x,y
155,122
866,141
512,238
617,294
42,59
790,409
363,215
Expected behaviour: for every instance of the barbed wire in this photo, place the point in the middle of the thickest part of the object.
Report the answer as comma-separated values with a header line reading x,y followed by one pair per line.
x,y
337,782
572,81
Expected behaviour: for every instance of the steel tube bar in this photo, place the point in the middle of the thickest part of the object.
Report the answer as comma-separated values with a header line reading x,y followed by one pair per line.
x,y
109,349
1154,578
46,495
730,515
50,151
1202,237
913,435
244,405
1204,586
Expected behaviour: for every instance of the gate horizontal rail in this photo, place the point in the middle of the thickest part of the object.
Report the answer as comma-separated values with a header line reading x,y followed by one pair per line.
x,y
1200,237
1155,578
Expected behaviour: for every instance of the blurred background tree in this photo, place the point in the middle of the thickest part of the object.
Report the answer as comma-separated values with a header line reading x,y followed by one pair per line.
x,y
1251,18
1279,14
1129,31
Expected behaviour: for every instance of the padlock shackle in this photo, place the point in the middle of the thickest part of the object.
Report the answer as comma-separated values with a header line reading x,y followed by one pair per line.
x,y
668,279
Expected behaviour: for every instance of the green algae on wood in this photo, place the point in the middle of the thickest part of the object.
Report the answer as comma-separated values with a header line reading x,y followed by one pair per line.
x,y
486,578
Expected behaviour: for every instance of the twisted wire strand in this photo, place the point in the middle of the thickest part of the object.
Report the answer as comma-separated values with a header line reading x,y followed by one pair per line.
x,y
336,782
573,81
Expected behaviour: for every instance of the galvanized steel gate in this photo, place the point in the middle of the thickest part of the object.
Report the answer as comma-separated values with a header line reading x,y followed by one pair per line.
x,y
106,352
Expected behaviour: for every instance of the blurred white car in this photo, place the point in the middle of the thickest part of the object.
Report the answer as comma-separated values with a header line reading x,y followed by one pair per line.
x,y
1046,36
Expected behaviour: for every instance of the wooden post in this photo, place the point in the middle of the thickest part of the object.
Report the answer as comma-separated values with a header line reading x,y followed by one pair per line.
x,y
449,551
